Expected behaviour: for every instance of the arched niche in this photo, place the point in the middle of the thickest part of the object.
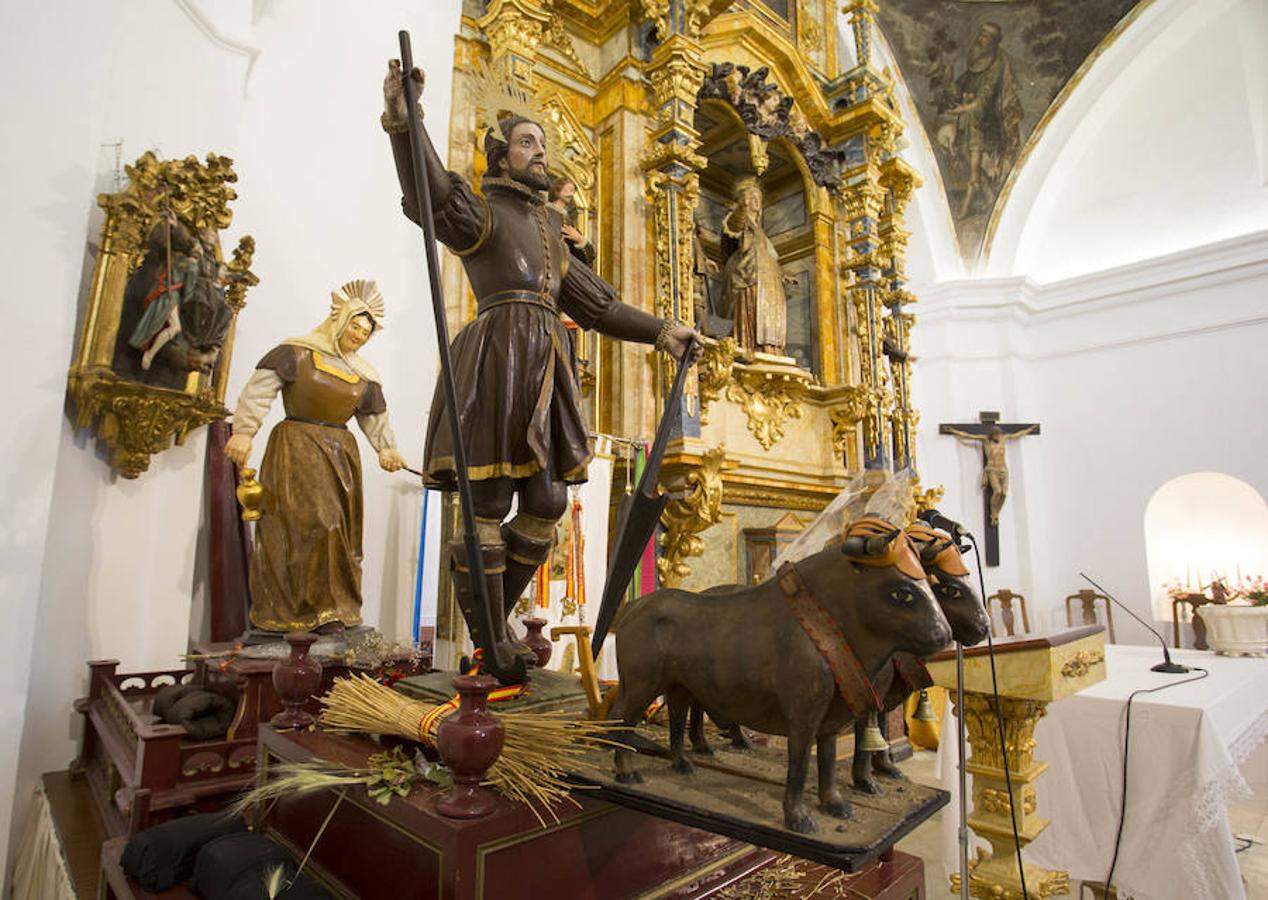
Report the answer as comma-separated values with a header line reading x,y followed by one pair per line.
x,y
790,198
1201,526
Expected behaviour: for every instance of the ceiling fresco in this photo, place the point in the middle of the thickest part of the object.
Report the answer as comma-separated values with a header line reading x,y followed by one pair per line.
x,y
983,74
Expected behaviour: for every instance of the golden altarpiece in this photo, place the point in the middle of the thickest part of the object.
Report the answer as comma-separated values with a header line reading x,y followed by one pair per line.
x,y
657,109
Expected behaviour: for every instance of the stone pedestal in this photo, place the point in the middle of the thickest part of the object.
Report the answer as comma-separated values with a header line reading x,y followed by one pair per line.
x,y
1032,672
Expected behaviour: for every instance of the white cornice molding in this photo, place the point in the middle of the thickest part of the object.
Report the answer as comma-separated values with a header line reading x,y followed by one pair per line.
x,y
204,25
1236,259
1022,302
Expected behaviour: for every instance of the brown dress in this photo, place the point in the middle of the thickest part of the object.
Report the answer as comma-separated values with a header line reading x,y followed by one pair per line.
x,y
306,569
519,402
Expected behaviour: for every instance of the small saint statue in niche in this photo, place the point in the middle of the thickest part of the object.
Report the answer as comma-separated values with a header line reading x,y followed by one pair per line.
x,y
995,471
306,570
753,280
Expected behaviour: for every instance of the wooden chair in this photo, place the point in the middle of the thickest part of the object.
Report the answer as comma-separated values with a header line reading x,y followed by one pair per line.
x,y
1088,597
1182,610
1006,599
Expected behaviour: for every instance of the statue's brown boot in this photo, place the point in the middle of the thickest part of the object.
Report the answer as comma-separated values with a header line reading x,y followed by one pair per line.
x,y
494,558
524,556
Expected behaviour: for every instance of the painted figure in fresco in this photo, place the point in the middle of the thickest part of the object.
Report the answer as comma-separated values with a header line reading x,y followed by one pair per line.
x,y
175,316
987,117
306,570
563,197
995,473
752,277
520,411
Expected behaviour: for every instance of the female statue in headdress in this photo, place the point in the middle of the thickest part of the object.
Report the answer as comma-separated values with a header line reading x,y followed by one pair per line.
x,y
753,279
306,571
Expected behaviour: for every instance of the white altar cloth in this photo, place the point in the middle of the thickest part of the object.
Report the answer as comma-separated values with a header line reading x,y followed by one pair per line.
x,y
1187,744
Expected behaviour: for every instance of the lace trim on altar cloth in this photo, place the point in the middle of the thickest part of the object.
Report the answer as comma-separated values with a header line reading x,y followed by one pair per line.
x,y
1210,807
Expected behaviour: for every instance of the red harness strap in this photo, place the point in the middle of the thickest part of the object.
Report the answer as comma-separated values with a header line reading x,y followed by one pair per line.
x,y
912,671
823,631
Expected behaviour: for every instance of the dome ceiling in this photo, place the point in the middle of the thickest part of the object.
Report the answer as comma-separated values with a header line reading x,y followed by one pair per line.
x,y
985,76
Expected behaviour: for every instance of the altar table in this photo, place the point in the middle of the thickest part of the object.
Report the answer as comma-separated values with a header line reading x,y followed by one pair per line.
x,y
1187,744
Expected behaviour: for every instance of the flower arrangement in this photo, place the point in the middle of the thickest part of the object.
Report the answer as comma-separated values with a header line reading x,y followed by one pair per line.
x,y
1175,590
1254,589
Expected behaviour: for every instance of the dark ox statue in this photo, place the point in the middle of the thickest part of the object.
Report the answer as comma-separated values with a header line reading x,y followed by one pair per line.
x,y
747,657
966,615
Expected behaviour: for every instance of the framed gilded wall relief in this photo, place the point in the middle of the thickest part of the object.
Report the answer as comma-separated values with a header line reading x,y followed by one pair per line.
x,y
153,352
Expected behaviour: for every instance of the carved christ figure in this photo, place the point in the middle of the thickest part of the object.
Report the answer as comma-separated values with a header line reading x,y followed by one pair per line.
x,y
753,278
995,474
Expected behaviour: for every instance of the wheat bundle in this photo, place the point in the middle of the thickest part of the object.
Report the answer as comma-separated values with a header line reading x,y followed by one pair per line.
x,y
538,753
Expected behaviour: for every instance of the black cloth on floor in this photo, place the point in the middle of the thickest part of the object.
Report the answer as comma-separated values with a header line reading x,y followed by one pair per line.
x,y
206,715
164,855
238,866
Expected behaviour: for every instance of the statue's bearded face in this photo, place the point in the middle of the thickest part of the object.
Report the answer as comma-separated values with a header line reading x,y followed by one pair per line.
x,y
525,159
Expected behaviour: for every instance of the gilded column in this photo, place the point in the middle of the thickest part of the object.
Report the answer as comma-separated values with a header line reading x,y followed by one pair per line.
x,y
671,166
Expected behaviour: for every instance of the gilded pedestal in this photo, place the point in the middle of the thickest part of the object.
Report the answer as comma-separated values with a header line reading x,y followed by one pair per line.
x,y
1032,672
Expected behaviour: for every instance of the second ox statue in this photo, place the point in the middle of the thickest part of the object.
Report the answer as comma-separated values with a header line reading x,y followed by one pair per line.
x,y
792,656
965,614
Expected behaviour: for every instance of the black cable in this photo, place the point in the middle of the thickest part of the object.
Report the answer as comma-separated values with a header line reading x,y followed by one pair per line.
x,y
1127,735
999,721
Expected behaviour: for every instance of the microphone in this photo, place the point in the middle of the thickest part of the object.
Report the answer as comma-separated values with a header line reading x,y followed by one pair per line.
x,y
1166,665
935,519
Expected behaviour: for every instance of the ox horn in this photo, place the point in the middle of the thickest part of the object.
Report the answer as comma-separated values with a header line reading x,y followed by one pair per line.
x,y
929,550
872,545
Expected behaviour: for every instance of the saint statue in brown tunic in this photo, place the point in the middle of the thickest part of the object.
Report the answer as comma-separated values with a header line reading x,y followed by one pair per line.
x,y
305,573
520,412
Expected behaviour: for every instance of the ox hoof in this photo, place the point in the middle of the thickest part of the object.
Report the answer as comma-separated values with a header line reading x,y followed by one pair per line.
x,y
703,750
887,770
867,787
801,822
684,766
629,778
838,809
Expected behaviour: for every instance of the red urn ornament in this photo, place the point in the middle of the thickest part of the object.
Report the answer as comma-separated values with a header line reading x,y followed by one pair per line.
x,y
536,641
295,680
469,741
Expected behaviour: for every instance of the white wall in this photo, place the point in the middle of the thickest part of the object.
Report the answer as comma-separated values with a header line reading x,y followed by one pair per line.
x,y
101,567
1121,305
1137,375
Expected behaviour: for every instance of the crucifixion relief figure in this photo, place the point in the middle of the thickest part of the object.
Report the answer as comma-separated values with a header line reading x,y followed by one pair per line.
x,y
995,471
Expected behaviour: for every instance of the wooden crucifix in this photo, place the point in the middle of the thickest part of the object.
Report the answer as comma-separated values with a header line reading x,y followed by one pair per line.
x,y
993,435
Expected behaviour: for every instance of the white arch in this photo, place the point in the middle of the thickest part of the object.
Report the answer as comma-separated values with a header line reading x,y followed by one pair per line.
x,y
1201,526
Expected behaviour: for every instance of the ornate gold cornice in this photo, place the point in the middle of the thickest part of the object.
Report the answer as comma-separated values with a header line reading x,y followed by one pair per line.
x,y
770,392
136,420
714,370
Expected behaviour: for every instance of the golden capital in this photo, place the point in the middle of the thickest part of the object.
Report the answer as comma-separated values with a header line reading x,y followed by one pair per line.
x,y
676,72
514,27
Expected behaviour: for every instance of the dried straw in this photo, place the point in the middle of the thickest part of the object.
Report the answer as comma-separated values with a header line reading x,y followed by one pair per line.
x,y
538,753
299,778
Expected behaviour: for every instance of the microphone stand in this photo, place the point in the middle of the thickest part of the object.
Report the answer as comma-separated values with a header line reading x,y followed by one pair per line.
x,y
1171,668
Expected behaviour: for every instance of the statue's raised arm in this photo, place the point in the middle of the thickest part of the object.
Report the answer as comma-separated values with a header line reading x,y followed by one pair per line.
x,y
460,215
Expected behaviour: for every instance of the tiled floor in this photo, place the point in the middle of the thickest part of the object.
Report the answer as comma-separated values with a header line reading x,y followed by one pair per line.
x,y
1250,818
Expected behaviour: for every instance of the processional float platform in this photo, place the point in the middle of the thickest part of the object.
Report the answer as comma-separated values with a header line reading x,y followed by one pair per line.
x,y
735,794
